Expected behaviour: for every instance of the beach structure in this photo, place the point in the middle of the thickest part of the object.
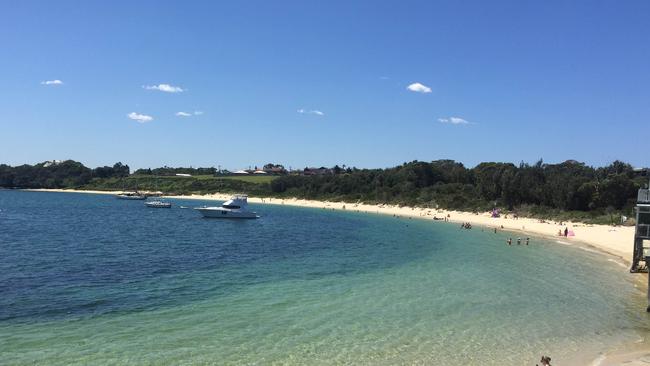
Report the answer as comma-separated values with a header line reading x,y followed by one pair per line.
x,y
642,232
641,251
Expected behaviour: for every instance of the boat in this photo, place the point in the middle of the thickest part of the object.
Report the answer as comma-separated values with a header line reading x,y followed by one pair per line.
x,y
158,204
131,196
235,208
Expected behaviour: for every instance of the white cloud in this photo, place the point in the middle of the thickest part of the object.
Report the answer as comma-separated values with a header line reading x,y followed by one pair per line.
x,y
454,121
310,111
52,82
419,88
142,118
165,88
189,114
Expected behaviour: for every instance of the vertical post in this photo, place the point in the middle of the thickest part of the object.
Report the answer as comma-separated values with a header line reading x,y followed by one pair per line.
x,y
647,309
637,235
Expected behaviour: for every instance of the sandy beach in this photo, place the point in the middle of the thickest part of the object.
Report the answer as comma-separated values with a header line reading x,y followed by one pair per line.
x,y
615,241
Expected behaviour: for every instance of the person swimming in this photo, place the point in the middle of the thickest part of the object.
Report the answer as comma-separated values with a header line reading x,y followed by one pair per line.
x,y
509,241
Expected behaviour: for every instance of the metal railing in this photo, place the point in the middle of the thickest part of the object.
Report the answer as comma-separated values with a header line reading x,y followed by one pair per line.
x,y
643,231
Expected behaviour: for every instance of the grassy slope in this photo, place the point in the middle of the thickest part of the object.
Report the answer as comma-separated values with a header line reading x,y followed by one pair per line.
x,y
251,178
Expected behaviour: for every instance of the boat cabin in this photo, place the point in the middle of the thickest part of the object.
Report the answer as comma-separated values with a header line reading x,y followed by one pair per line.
x,y
236,202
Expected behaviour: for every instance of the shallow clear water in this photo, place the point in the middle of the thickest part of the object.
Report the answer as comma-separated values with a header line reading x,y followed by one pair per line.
x,y
89,279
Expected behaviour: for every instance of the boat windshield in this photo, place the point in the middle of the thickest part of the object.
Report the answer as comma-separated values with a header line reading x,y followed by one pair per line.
x,y
230,206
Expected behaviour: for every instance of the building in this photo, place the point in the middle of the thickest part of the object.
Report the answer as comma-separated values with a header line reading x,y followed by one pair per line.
x,y
50,163
642,231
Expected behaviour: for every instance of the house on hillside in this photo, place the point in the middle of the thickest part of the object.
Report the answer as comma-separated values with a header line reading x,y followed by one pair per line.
x,y
50,163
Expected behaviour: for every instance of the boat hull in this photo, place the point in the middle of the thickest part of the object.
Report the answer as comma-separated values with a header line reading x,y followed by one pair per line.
x,y
221,213
158,204
125,197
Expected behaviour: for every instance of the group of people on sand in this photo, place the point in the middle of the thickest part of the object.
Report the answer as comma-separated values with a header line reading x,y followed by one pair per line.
x,y
466,225
565,233
545,361
509,241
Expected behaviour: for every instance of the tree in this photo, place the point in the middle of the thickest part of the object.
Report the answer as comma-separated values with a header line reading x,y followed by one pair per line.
x,y
617,190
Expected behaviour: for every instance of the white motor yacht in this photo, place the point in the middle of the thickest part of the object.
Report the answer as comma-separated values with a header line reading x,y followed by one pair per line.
x,y
235,208
131,196
158,204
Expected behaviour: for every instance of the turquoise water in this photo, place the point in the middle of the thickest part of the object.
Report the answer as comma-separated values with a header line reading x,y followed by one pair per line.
x,y
89,279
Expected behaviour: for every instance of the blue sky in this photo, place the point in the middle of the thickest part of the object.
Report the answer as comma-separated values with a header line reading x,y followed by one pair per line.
x,y
323,83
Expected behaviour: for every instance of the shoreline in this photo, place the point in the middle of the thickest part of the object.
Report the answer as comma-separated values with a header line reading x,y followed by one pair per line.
x,y
613,241
616,241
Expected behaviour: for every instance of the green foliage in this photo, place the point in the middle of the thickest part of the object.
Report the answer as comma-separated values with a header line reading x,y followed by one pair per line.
x,y
568,186
63,174
45,175
179,185
117,170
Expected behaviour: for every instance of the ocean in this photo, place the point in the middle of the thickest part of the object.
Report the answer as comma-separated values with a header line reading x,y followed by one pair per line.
x,y
89,279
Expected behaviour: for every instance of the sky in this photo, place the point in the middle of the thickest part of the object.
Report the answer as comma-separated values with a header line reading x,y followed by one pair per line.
x,y
316,83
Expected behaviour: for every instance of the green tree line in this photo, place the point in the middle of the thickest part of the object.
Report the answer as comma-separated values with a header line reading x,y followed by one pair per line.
x,y
65,174
568,186
571,185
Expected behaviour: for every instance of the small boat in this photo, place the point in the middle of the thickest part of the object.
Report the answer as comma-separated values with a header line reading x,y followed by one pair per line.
x,y
131,196
158,204
235,208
